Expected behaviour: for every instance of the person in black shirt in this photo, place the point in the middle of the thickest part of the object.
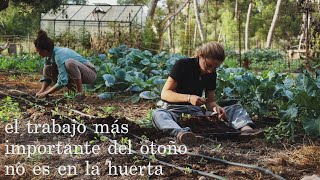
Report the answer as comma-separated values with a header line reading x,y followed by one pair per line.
x,y
182,93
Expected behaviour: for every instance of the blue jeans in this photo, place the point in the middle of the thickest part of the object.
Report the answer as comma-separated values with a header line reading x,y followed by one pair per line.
x,y
166,118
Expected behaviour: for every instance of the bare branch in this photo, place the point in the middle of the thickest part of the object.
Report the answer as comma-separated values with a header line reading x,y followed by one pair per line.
x,y
171,17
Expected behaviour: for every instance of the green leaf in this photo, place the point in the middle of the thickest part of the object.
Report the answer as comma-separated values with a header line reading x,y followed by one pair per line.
x,y
265,91
291,112
121,74
106,95
135,89
145,62
135,98
109,80
153,65
303,99
288,83
312,126
148,95
159,81
148,53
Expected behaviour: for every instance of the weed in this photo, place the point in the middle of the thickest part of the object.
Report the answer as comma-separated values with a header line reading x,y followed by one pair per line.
x,y
153,158
70,95
187,170
36,157
124,141
147,121
9,110
109,109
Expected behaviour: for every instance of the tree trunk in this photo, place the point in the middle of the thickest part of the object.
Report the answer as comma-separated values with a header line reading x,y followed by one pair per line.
x,y
4,4
236,10
195,36
273,24
170,37
171,16
198,18
152,9
302,36
167,21
246,40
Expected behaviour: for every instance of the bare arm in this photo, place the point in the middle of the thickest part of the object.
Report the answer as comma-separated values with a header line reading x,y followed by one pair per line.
x,y
44,86
169,94
213,106
49,91
211,100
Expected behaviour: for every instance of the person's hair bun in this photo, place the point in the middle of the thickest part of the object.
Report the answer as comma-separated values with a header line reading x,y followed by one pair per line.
x,y
43,41
42,34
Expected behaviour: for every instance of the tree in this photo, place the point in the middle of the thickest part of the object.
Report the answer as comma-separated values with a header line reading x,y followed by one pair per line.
x,y
152,9
273,24
246,40
161,23
198,18
19,21
41,5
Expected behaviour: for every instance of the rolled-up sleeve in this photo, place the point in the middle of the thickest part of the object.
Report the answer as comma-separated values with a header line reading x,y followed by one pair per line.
x,y
45,79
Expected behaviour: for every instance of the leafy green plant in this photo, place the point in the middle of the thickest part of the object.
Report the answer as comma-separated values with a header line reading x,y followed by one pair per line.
x,y
124,141
187,170
260,55
147,121
291,99
25,63
70,95
9,110
109,109
134,71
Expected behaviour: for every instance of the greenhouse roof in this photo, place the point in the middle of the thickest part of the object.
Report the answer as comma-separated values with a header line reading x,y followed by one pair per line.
x,y
101,13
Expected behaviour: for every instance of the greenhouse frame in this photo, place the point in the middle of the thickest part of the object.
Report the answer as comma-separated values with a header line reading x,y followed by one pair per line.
x,y
94,18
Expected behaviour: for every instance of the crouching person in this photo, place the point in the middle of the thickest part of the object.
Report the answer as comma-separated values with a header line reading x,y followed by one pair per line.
x,y
182,93
64,67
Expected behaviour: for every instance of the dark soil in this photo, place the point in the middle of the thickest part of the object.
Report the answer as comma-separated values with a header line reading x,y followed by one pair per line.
x,y
292,159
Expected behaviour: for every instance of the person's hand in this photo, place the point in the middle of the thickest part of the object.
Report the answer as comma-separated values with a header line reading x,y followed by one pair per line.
x,y
221,112
196,100
42,94
39,92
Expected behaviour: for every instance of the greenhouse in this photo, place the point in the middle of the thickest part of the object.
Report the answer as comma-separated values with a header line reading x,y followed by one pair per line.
x,y
94,18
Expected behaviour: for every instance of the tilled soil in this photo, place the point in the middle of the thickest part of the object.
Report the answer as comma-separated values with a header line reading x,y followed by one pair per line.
x,y
292,159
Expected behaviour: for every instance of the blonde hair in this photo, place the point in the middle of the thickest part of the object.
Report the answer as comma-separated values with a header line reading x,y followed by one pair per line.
x,y
211,50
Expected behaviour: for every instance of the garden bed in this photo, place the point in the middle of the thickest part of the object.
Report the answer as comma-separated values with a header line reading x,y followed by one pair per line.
x,y
287,159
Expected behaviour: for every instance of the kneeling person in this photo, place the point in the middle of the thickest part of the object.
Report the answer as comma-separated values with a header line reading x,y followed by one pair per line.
x,y
63,66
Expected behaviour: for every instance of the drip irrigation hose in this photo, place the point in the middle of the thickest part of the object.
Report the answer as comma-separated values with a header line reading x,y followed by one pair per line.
x,y
266,171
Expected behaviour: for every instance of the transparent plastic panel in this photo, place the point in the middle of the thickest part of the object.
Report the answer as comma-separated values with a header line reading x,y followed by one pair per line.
x,y
48,26
69,12
51,15
113,13
77,26
98,13
83,13
129,13
61,26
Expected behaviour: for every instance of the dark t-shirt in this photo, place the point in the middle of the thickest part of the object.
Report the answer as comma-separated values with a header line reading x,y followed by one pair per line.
x,y
187,73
